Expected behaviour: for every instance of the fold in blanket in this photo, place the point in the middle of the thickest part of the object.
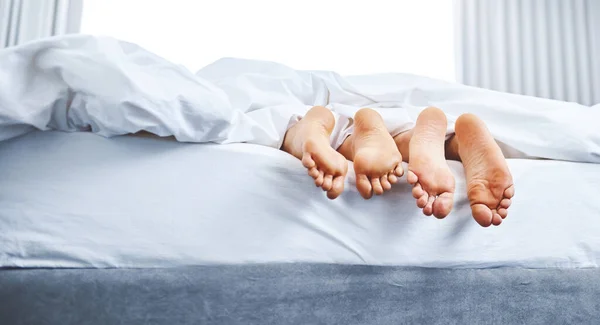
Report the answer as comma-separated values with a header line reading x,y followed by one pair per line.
x,y
110,87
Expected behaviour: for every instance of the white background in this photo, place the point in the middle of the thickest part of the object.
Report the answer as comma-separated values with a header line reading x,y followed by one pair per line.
x,y
349,37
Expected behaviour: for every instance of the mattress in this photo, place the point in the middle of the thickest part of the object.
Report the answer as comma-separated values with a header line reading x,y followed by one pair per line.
x,y
299,294
134,229
78,200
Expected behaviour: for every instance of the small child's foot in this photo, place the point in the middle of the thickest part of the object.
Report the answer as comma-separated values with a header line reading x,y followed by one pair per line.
x,y
377,161
428,171
489,182
308,141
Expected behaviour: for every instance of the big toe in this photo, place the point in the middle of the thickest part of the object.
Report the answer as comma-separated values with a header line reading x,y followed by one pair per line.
x,y
363,185
482,214
337,187
443,205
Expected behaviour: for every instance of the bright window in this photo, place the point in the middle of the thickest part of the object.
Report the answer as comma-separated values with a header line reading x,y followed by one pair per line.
x,y
349,37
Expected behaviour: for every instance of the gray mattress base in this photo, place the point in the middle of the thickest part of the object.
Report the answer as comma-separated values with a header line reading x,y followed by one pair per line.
x,y
299,294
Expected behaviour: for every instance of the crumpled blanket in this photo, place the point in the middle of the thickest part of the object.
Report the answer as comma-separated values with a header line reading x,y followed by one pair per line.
x,y
110,87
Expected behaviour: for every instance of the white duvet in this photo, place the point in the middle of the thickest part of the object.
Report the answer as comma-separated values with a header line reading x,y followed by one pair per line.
x,y
109,87
81,200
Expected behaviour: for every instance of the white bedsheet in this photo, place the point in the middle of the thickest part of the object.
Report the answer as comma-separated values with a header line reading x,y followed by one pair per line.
x,y
81,200
78,82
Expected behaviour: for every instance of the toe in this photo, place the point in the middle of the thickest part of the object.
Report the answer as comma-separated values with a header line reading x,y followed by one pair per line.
x,y
363,185
422,201
313,172
319,179
509,192
393,179
377,188
428,209
307,160
337,187
411,177
385,183
399,171
417,191
505,203
503,213
496,219
482,214
443,205
327,182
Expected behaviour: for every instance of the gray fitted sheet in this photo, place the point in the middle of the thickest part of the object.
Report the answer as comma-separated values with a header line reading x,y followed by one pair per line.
x,y
299,294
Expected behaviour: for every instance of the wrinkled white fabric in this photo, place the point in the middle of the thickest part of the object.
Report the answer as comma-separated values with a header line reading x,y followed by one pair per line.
x,y
81,200
75,83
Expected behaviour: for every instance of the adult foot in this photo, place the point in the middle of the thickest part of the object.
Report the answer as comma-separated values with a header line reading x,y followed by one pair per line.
x,y
308,141
428,171
489,182
377,161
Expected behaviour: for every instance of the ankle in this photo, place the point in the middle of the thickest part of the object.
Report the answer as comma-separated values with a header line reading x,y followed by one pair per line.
x,y
402,141
452,149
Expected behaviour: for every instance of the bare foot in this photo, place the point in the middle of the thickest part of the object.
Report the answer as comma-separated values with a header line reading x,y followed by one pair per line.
x,y
489,182
377,161
428,171
308,141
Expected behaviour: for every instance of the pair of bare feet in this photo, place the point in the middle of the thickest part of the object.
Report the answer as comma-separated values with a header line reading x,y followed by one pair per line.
x,y
378,157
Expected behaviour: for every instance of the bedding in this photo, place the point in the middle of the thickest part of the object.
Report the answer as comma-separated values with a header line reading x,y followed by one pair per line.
x,y
206,220
77,199
80,200
110,87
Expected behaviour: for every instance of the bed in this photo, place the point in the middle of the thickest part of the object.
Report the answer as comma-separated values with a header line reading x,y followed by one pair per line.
x,y
141,229
299,294
201,219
